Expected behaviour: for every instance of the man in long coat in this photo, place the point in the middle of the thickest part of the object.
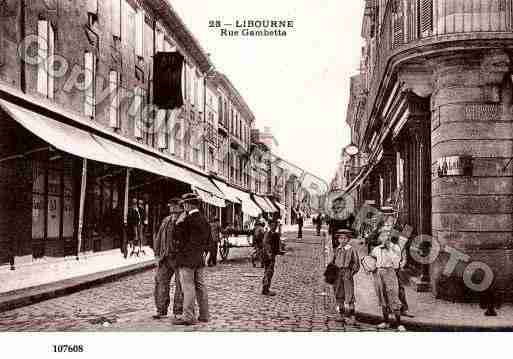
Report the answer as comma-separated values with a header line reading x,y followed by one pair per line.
x,y
271,248
166,259
193,241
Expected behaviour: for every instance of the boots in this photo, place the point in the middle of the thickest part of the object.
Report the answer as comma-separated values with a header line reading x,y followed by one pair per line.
x,y
267,292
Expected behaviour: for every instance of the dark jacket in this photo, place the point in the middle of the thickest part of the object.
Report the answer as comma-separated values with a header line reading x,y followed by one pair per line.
x,y
192,238
163,242
300,221
271,244
258,236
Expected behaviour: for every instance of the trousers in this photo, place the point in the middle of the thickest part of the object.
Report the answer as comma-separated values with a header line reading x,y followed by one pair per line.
x,y
194,289
268,270
165,272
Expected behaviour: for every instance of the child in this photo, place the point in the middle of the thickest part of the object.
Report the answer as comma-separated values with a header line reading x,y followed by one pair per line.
x,y
347,260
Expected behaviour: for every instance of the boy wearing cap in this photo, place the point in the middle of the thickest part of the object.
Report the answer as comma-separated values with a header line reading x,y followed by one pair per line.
x,y
388,258
166,259
347,260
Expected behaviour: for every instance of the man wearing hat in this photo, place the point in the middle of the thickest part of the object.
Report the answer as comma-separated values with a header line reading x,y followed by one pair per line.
x,y
269,252
258,239
166,259
194,240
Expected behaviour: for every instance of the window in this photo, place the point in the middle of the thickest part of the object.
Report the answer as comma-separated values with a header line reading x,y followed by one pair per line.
x,y
92,11
90,80
114,88
46,49
128,28
426,17
139,33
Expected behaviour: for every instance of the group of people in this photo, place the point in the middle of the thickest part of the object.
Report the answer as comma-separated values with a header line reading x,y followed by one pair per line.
x,y
182,244
385,261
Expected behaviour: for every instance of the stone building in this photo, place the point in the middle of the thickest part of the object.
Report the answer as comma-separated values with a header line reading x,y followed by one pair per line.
x,y
434,118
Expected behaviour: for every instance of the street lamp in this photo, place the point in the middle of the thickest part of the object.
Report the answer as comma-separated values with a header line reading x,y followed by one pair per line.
x,y
351,150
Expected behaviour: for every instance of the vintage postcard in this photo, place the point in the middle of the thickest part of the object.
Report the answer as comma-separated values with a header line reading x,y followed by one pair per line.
x,y
243,166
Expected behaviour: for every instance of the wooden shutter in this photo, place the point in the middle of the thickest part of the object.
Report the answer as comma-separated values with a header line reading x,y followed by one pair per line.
x,y
139,98
398,23
90,79
426,17
116,18
139,33
42,74
161,123
114,92
51,52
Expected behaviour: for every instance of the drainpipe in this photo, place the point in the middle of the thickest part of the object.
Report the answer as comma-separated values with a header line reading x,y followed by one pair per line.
x,y
21,36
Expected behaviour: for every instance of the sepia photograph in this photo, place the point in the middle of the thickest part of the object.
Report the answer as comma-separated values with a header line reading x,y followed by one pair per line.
x,y
177,166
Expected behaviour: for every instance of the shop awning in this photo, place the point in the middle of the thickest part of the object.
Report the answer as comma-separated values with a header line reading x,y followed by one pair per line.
x,y
248,206
209,198
262,203
230,193
83,144
271,205
280,206
205,184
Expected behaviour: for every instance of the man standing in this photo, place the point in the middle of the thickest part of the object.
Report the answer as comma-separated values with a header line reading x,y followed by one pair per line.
x,y
166,259
133,230
318,224
258,240
215,228
270,250
300,223
194,239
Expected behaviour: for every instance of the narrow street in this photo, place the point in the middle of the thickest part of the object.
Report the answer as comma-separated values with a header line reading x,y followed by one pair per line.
x,y
234,293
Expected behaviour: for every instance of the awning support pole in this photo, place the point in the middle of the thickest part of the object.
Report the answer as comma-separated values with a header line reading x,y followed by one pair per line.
x,y
125,203
83,184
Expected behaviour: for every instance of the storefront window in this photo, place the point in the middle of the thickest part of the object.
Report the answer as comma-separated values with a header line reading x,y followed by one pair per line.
x,y
38,201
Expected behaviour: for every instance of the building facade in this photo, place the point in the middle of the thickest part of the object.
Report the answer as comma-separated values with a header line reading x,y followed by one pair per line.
x,y
433,117
82,139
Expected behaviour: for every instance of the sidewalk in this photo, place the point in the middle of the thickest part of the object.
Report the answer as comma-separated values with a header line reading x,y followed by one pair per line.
x,y
431,314
44,279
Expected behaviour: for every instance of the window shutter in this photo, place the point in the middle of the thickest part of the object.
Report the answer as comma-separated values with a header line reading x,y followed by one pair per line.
x,y
139,33
90,79
116,18
139,97
161,124
42,75
114,92
51,52
398,24
426,17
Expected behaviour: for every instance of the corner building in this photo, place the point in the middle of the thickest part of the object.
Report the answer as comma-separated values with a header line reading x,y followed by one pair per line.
x,y
433,119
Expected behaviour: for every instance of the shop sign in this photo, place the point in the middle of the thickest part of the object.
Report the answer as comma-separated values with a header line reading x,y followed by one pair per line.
x,y
454,166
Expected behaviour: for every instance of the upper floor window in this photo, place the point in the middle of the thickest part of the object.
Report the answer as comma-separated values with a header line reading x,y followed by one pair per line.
x,y
90,81
46,49
128,24
159,38
116,18
92,11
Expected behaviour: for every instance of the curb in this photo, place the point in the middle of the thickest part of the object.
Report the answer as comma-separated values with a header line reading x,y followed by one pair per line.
x,y
27,296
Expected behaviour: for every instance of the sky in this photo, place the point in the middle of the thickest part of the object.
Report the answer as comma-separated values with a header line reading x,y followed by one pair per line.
x,y
299,84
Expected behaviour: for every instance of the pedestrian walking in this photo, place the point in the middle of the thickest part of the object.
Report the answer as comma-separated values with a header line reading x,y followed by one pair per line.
x,y
346,258
318,224
258,241
165,255
270,250
194,238
388,259
300,222
215,228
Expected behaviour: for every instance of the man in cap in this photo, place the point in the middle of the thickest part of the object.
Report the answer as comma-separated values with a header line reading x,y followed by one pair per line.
x,y
194,239
166,259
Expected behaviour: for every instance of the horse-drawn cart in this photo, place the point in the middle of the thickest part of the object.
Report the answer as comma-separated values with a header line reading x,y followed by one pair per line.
x,y
234,239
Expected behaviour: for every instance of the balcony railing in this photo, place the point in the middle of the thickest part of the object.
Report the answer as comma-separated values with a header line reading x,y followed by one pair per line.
x,y
407,23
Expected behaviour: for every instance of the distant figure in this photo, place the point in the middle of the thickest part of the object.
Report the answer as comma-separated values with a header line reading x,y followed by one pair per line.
x,y
215,228
133,230
300,222
318,224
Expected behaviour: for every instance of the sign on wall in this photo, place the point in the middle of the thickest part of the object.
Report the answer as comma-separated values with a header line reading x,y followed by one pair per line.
x,y
454,166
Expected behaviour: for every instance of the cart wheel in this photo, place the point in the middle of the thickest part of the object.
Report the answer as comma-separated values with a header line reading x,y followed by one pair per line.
x,y
224,249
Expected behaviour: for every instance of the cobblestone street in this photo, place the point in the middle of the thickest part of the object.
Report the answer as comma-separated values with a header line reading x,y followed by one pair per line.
x,y
303,302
